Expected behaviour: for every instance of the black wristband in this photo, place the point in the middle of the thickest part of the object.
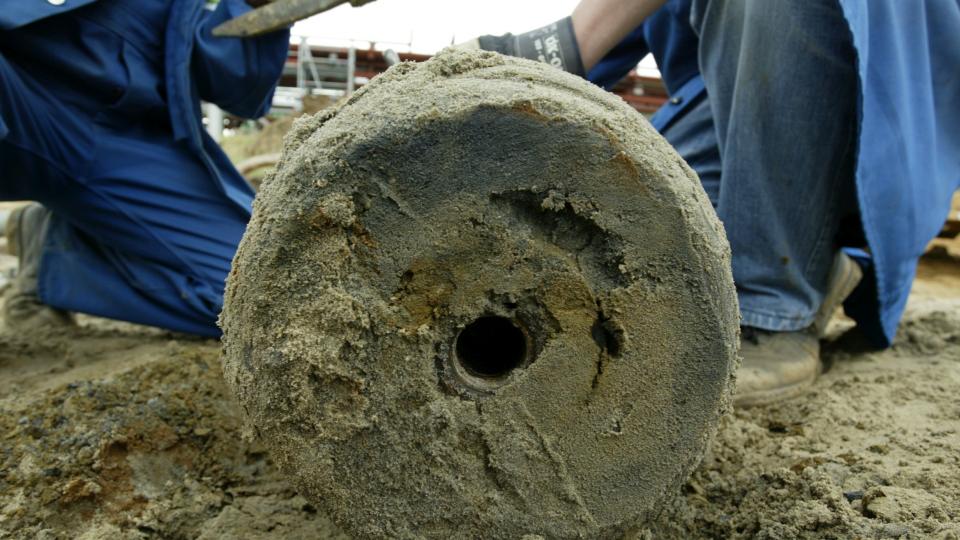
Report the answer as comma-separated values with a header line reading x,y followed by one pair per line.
x,y
554,44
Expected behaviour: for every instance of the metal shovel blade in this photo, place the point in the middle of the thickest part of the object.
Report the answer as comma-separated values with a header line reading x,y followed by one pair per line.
x,y
276,15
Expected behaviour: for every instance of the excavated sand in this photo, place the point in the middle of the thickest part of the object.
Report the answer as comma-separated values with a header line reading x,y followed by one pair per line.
x,y
116,432
467,187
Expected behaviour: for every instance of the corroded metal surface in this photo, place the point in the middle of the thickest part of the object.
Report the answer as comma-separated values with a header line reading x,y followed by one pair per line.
x,y
482,299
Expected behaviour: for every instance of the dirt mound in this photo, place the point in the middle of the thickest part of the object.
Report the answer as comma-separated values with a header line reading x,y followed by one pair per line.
x,y
873,451
129,433
270,139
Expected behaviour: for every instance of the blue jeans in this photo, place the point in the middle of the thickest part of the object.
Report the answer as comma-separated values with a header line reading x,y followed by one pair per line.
x,y
774,143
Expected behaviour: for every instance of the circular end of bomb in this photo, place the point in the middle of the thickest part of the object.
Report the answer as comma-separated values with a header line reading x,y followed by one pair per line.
x,y
438,336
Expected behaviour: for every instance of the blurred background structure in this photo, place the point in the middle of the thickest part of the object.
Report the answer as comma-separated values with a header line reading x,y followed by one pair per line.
x,y
333,54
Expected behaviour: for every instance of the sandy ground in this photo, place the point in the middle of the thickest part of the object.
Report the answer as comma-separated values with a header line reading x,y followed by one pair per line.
x,y
119,431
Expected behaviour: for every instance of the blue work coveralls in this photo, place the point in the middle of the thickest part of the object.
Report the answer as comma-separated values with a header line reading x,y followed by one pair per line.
x,y
800,114
100,121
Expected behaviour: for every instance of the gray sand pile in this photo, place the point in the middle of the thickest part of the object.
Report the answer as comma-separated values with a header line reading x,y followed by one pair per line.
x,y
115,432
120,433
408,233
873,451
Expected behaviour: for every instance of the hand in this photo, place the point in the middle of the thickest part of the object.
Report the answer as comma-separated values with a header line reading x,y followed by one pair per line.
x,y
554,44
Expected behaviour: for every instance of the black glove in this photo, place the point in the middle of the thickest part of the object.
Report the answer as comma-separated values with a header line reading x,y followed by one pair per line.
x,y
554,44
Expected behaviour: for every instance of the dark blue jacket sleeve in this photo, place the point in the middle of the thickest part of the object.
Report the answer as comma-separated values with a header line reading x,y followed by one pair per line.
x,y
238,74
619,61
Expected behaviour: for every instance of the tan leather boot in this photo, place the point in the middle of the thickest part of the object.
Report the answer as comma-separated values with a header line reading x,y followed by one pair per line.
x,y
25,230
780,365
776,365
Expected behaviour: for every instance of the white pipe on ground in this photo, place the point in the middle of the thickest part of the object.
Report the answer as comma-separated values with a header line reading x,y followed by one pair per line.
x,y
214,120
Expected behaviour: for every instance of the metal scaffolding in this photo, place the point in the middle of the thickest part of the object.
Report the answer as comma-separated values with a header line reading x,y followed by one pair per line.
x,y
325,73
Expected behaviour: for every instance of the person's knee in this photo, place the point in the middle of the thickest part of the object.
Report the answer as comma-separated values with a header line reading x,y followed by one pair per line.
x,y
706,15
761,17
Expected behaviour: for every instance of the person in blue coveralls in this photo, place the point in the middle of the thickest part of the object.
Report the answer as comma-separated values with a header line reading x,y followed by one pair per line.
x,y
826,133
100,123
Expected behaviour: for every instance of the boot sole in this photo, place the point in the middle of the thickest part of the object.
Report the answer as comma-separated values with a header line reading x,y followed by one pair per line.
x,y
775,395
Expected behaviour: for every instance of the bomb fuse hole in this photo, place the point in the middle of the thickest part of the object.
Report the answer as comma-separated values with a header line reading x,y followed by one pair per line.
x,y
491,347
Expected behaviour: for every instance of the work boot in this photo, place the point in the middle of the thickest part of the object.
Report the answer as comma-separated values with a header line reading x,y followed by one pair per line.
x,y
781,365
26,229
776,365
845,275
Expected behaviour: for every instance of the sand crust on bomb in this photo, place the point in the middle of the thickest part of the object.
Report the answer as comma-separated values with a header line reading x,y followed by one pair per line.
x,y
475,185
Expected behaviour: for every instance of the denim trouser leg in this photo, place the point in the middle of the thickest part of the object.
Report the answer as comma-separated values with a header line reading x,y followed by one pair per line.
x,y
693,135
782,90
